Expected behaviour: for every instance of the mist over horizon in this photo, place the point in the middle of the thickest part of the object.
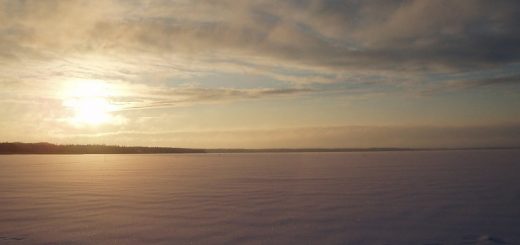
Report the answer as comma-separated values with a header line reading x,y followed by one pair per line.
x,y
298,138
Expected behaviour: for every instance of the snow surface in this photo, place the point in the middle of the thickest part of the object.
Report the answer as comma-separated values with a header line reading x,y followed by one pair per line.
x,y
437,197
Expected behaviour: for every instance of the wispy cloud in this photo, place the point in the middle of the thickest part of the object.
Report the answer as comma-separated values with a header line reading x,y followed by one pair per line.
x,y
458,84
318,36
167,97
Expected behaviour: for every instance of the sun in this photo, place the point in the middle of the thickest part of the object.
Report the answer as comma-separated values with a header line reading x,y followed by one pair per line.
x,y
91,111
88,102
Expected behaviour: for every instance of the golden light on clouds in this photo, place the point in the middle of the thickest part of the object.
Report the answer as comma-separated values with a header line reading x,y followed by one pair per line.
x,y
75,71
89,102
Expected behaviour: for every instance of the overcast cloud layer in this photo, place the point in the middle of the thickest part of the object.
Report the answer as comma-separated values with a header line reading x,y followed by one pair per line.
x,y
170,54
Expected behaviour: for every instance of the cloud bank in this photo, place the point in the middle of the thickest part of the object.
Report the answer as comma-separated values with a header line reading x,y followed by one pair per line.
x,y
323,37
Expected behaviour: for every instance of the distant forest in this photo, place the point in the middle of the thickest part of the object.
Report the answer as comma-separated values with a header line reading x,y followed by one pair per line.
x,y
48,148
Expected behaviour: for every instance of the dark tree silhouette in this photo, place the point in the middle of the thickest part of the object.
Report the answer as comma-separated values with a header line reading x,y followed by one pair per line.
x,y
48,148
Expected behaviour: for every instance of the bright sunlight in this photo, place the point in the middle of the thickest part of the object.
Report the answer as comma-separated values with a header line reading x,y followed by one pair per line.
x,y
88,100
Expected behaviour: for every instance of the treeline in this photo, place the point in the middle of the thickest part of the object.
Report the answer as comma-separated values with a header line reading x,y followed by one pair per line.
x,y
48,148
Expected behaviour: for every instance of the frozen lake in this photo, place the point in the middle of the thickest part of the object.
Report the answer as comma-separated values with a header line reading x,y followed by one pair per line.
x,y
438,197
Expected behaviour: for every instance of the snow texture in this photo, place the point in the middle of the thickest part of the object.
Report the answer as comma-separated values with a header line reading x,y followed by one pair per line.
x,y
429,198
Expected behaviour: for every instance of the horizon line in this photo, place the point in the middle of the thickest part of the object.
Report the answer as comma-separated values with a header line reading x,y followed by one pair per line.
x,y
122,149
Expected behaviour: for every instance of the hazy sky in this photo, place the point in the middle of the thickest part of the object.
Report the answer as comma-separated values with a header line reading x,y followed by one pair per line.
x,y
309,73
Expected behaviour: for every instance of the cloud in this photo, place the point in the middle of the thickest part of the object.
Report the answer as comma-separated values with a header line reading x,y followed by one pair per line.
x,y
397,35
368,44
317,35
458,84
511,79
126,96
229,51
167,97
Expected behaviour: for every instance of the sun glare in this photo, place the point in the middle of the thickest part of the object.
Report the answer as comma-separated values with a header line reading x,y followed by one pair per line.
x,y
88,100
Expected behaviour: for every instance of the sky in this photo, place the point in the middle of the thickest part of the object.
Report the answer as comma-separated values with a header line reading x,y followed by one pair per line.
x,y
261,73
